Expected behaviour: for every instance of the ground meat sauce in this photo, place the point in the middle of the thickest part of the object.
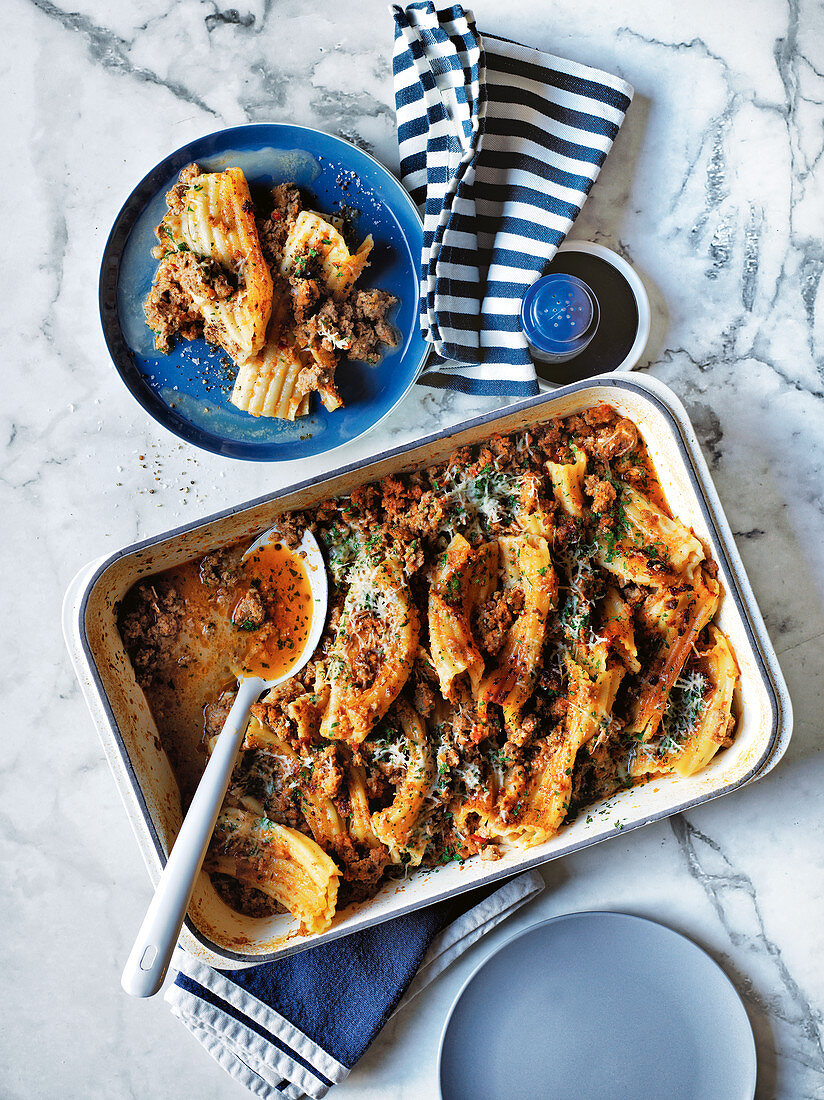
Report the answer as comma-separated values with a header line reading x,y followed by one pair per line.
x,y
273,231
492,621
170,311
357,325
181,630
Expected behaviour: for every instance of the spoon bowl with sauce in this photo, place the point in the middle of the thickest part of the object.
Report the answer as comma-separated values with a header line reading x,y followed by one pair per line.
x,y
284,612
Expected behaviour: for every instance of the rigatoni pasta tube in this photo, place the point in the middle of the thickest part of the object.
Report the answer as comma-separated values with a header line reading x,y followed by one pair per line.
x,y
393,826
465,578
673,618
649,547
378,614
512,681
590,705
339,268
318,809
278,861
698,714
217,223
568,482
719,666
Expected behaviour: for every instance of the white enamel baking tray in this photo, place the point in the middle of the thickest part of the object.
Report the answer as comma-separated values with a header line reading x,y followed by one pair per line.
x,y
215,933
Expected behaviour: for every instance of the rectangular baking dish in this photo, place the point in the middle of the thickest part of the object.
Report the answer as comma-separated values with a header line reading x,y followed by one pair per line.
x,y
216,934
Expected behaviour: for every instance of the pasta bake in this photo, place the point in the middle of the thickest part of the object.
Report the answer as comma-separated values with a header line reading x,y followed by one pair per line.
x,y
512,635
275,287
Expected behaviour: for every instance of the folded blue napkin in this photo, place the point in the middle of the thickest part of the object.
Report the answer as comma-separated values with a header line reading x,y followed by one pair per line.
x,y
296,1027
501,145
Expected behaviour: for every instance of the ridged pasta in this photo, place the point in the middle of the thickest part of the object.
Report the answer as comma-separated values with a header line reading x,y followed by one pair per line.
x,y
465,578
590,705
394,825
313,233
713,674
217,223
378,611
360,817
618,628
268,384
512,681
718,665
650,544
280,862
307,710
676,617
318,809
477,814
533,514
568,481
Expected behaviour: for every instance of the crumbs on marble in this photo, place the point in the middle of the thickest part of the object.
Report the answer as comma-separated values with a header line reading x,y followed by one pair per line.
x,y
156,466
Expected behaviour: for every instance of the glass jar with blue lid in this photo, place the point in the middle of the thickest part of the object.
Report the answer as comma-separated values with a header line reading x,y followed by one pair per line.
x,y
559,317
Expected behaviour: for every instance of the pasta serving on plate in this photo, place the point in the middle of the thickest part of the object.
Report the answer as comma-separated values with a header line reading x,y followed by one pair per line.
x,y
275,288
512,635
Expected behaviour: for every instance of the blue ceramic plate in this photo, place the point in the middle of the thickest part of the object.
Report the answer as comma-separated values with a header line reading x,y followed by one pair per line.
x,y
598,1005
188,390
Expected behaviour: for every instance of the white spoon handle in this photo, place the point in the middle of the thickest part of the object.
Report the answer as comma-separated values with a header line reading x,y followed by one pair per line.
x,y
149,958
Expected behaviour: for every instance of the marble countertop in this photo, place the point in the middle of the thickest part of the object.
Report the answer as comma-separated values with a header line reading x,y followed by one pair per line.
x,y
713,190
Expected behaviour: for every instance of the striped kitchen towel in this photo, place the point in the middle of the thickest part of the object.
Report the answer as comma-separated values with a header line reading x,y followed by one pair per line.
x,y
295,1027
501,145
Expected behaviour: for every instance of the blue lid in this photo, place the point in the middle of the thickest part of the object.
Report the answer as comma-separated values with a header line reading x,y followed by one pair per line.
x,y
559,314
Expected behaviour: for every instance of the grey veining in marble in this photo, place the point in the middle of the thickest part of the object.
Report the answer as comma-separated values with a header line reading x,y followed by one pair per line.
x,y
714,190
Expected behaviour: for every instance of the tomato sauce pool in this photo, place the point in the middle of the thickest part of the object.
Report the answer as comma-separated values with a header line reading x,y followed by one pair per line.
x,y
279,576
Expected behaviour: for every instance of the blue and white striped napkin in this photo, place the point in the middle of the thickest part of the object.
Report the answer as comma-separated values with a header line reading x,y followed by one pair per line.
x,y
501,144
295,1027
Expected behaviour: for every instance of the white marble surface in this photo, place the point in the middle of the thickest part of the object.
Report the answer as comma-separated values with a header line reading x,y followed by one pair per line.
x,y
714,189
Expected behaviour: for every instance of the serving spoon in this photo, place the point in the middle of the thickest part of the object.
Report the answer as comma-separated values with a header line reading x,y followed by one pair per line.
x,y
149,958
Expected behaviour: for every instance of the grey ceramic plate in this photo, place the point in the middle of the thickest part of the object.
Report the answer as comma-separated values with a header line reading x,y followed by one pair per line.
x,y
598,1005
